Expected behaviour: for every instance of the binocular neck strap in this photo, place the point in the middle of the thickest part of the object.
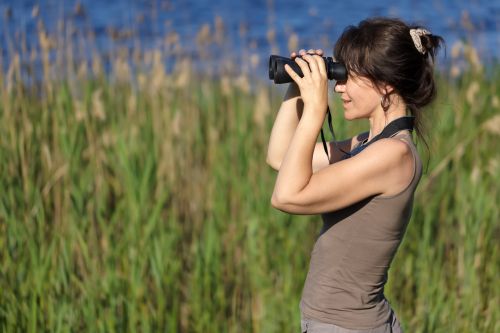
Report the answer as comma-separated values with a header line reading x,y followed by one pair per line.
x,y
400,124
330,126
395,126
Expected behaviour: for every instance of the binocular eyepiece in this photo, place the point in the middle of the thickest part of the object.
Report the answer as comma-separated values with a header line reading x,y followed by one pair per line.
x,y
334,70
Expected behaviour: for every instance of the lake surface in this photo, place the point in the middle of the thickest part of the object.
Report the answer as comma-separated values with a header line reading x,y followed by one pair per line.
x,y
257,26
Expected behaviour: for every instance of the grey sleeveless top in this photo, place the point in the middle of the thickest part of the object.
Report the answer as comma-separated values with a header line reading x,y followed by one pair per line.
x,y
351,257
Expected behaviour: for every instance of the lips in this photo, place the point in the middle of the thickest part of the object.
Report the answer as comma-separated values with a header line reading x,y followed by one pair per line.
x,y
346,101
345,98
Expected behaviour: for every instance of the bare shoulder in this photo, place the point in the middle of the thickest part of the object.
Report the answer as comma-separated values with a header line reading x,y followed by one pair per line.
x,y
394,160
390,148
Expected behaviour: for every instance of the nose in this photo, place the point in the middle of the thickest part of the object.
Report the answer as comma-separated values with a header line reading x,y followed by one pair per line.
x,y
339,87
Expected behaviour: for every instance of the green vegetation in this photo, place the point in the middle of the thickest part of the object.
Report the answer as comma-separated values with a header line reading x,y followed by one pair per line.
x,y
139,201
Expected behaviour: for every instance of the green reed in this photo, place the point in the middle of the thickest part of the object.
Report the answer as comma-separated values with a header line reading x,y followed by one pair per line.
x,y
139,200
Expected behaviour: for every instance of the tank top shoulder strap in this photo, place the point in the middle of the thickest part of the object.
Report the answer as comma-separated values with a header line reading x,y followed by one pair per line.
x,y
417,171
407,138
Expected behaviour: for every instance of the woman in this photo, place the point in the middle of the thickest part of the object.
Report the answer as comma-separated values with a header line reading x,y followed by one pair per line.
x,y
364,190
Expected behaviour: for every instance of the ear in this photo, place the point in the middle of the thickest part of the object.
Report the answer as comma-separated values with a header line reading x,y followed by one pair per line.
x,y
386,89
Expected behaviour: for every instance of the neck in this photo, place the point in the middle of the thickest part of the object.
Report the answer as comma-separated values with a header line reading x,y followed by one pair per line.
x,y
380,118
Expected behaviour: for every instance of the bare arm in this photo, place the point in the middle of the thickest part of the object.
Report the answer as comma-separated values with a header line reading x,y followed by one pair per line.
x,y
284,126
384,168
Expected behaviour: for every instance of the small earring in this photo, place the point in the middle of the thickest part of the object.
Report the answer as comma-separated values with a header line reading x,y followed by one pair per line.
x,y
385,102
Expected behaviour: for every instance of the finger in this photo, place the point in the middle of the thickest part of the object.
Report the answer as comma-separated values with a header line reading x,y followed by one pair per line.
x,y
319,52
321,64
304,66
302,52
293,55
311,51
313,64
292,73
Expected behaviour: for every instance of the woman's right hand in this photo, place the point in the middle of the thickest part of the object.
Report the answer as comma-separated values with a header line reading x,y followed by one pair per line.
x,y
313,84
294,88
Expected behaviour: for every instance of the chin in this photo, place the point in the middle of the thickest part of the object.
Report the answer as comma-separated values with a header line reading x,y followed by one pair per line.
x,y
349,116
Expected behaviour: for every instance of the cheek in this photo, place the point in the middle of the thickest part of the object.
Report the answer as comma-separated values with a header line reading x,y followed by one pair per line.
x,y
367,102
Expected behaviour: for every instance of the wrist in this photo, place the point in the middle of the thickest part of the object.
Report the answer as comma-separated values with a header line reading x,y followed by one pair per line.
x,y
314,117
317,111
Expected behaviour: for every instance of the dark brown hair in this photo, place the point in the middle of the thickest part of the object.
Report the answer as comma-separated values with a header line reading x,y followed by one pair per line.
x,y
382,50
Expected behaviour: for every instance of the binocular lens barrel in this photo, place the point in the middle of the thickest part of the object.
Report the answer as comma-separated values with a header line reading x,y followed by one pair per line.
x,y
335,70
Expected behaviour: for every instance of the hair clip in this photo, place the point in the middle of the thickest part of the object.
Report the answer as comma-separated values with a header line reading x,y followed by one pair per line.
x,y
415,35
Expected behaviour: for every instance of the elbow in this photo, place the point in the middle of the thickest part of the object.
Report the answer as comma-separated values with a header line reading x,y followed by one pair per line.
x,y
279,201
275,202
292,203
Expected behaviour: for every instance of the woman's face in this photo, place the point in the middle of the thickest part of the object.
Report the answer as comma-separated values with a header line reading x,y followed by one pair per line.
x,y
360,97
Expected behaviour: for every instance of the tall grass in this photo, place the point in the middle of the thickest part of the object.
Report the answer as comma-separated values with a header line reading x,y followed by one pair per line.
x,y
138,200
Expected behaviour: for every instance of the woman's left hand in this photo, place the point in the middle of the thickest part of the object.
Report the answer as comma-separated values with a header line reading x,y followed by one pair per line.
x,y
313,85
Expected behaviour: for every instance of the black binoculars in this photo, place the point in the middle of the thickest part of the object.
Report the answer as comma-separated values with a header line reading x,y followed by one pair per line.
x,y
334,70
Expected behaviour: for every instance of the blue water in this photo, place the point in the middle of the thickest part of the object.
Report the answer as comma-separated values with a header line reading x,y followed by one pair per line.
x,y
316,23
